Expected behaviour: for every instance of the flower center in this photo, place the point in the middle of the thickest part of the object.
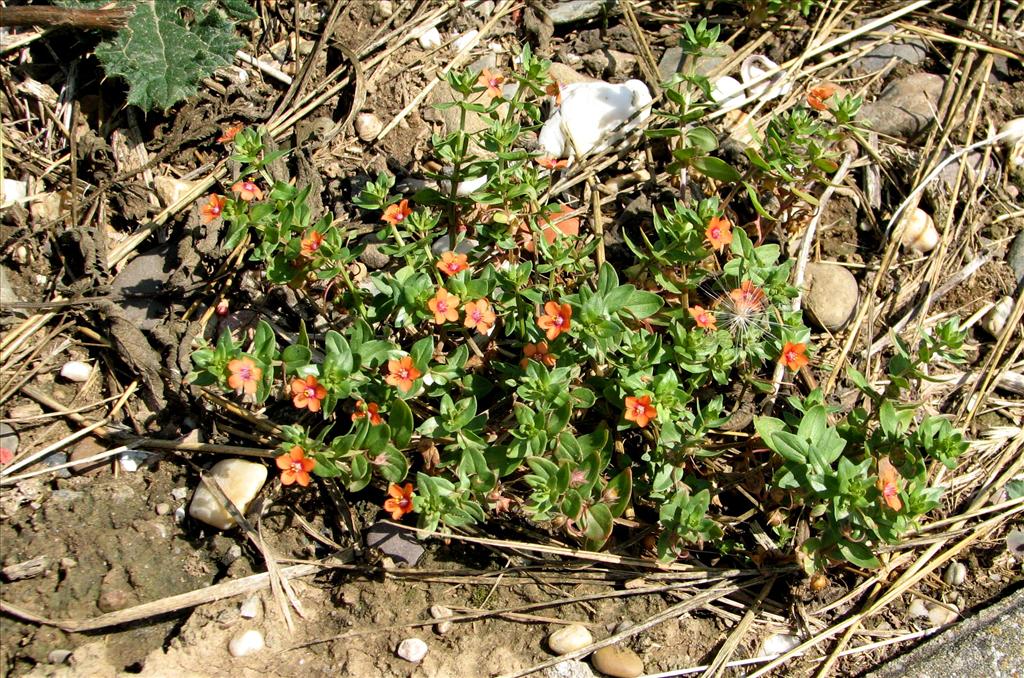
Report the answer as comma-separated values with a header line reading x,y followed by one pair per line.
x,y
442,306
639,410
310,392
403,374
889,491
297,466
404,503
716,232
791,356
477,316
215,209
245,373
559,321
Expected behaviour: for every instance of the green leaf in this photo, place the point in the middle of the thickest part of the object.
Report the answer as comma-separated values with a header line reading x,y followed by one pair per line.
x,y
167,47
858,554
239,10
401,423
716,169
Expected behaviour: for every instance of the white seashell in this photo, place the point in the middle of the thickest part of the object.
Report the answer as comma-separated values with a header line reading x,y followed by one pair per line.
x,y
76,370
919,232
590,113
995,320
751,72
246,643
368,126
917,608
431,38
412,650
463,40
728,93
779,643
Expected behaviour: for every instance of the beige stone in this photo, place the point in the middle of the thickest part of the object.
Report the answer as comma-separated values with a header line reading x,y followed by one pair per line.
x,y
240,481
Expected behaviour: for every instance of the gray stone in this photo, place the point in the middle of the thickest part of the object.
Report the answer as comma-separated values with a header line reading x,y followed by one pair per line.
x,y
831,295
906,107
1015,257
400,545
674,60
912,50
611,64
617,661
988,644
139,283
373,257
564,74
569,11
8,439
571,668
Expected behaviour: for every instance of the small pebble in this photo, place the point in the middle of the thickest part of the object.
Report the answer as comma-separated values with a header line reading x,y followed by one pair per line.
x,y
162,509
58,656
246,643
179,493
779,643
832,295
250,608
995,320
240,480
571,668
84,449
955,574
8,444
917,608
619,662
384,10
1015,544
76,370
569,639
439,612
412,650
131,460
431,39
941,614
463,40
368,126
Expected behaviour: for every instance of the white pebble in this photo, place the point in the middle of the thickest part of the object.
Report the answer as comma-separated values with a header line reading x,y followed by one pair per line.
x,y
955,574
412,650
368,126
131,460
384,10
431,39
240,480
917,608
440,612
76,370
919,233
246,643
463,40
941,614
995,320
179,493
779,643
569,639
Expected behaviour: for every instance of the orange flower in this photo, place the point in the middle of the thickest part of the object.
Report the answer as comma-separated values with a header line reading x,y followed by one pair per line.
x,y
703,317
556,319
817,96
400,501
247,190
452,263
551,162
719,233
538,351
492,81
444,306
311,243
212,209
479,315
794,356
395,214
245,376
888,484
230,133
554,90
555,225
373,409
295,466
747,299
307,393
401,374
640,410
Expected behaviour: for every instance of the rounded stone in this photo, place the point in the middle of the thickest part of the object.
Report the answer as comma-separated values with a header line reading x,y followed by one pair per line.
x,y
412,650
618,662
246,643
831,296
1015,257
569,639
240,481
368,126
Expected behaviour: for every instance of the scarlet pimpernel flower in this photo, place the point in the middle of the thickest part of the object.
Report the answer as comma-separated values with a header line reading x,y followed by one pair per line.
x,y
551,162
247,190
230,133
444,306
372,410
452,263
889,484
311,243
719,233
212,209
402,373
396,214
794,356
538,352
295,466
747,299
479,316
817,96
640,410
400,500
554,90
307,393
555,320
492,81
703,317
245,376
